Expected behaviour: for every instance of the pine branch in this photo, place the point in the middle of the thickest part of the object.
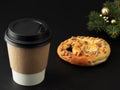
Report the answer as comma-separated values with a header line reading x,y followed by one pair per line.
x,y
96,22
111,25
113,31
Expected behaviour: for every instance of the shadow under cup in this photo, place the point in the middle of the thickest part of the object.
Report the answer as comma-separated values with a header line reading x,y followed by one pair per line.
x,y
28,42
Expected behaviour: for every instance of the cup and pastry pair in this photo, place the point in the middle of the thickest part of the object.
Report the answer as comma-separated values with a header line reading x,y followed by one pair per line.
x,y
28,42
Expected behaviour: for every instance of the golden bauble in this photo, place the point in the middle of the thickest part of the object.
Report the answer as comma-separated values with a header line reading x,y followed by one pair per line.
x,y
107,21
104,17
105,11
107,17
113,21
100,15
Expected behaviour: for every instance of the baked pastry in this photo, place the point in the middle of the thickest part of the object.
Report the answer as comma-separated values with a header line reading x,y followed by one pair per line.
x,y
84,50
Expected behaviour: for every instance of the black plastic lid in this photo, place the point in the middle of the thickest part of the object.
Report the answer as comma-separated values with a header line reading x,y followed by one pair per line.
x,y
28,33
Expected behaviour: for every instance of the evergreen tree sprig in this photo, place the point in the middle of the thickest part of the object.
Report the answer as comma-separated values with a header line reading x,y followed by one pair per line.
x,y
109,21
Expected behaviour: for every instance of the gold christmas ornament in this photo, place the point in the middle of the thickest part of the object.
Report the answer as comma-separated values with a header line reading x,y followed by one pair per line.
x,y
104,17
105,11
107,17
107,21
100,15
113,21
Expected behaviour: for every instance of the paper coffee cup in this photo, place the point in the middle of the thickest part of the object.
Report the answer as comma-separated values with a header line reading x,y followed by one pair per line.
x,y
28,42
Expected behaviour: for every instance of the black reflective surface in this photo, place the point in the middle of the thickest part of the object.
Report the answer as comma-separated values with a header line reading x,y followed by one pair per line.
x,y
65,19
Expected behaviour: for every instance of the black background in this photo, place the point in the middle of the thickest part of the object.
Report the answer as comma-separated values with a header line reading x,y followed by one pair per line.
x,y
65,19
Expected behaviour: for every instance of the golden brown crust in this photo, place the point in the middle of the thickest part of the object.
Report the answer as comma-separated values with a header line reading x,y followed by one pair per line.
x,y
86,51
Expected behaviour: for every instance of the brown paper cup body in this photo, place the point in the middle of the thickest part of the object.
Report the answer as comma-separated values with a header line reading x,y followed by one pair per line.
x,y
28,60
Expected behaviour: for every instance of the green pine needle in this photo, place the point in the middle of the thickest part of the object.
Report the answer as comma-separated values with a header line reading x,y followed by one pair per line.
x,y
113,31
96,22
